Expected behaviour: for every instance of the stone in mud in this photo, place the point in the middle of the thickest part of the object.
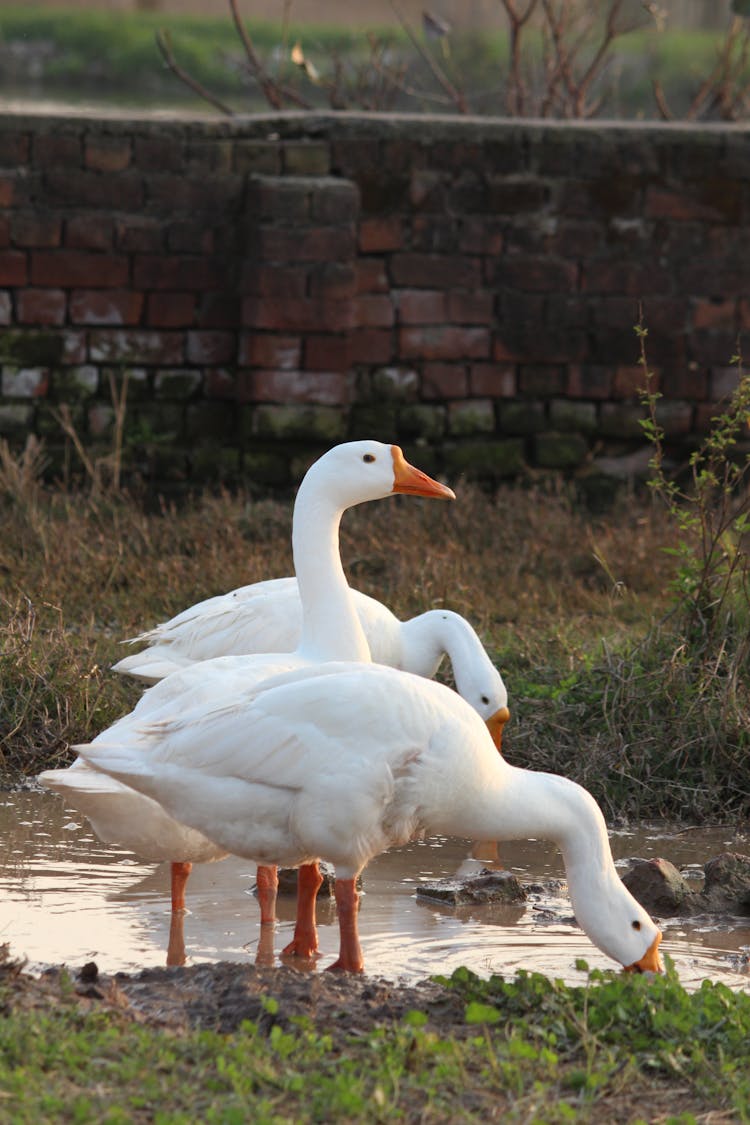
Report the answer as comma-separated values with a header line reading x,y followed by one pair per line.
x,y
659,887
727,885
288,880
487,886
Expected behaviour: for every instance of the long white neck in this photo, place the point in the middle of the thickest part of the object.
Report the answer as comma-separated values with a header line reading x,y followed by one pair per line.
x,y
432,635
331,629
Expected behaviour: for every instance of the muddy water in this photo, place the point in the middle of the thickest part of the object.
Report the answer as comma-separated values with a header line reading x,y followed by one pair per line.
x,y
67,898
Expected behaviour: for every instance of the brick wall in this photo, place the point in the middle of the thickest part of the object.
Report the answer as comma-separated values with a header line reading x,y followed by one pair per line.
x,y
271,285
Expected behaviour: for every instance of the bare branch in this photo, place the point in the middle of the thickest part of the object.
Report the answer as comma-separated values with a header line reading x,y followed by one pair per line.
x,y
164,43
455,95
274,93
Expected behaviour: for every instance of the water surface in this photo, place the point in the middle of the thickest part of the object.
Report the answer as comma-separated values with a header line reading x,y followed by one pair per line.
x,y
66,898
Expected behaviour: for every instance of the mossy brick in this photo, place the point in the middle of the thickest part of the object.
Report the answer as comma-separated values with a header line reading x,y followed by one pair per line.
x,y
214,155
474,416
260,157
138,386
560,451
373,420
418,420
487,460
180,384
25,382
571,414
394,384
155,423
621,420
31,349
15,419
73,384
300,421
215,461
306,158
209,421
47,421
520,417
264,467
280,197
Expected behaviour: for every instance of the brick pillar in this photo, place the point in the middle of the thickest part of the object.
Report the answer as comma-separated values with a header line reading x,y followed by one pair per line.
x,y
298,310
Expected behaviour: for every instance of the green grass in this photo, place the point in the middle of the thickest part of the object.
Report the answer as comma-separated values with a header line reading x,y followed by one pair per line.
x,y
617,1049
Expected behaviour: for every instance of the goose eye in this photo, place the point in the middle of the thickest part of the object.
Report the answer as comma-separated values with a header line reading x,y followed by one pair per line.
x,y
369,457
485,699
636,925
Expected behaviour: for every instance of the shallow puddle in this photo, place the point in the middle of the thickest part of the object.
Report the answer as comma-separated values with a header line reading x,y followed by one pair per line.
x,y
66,898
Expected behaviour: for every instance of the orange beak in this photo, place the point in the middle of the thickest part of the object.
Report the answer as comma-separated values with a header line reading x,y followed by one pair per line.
x,y
650,962
495,725
414,482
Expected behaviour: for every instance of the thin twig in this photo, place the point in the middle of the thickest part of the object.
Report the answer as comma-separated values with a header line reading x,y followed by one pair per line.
x,y
164,43
274,93
455,95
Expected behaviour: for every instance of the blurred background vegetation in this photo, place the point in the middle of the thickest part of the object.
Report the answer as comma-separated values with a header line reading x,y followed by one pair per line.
x,y
625,58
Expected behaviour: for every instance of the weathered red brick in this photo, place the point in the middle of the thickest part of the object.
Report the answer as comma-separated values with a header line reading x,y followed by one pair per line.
x,y
588,381
190,238
219,310
7,190
315,244
444,380
265,280
170,310
371,276
627,382
420,306
107,154
258,349
139,234
105,306
323,388
35,230
4,231
111,191
482,236
210,347
220,383
337,281
446,341
373,345
14,149
685,382
493,380
13,267
128,345
40,306
743,312
90,232
151,271
53,150
26,382
436,271
541,379
74,346
714,314
378,235
191,194
537,275
700,205
73,268
159,153
470,307
327,353
723,383
335,201
372,310
297,314
632,278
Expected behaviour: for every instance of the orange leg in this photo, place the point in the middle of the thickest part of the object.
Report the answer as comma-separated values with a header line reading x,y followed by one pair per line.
x,y
180,875
350,952
267,883
176,954
305,940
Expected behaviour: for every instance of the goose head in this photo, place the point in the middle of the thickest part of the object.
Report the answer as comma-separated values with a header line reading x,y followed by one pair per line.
x,y
357,471
618,925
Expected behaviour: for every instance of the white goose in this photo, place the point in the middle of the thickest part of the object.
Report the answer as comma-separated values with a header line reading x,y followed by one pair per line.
x,y
267,617
348,474
346,760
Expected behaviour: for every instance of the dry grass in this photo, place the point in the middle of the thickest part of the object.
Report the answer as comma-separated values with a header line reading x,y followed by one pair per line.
x,y
566,604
